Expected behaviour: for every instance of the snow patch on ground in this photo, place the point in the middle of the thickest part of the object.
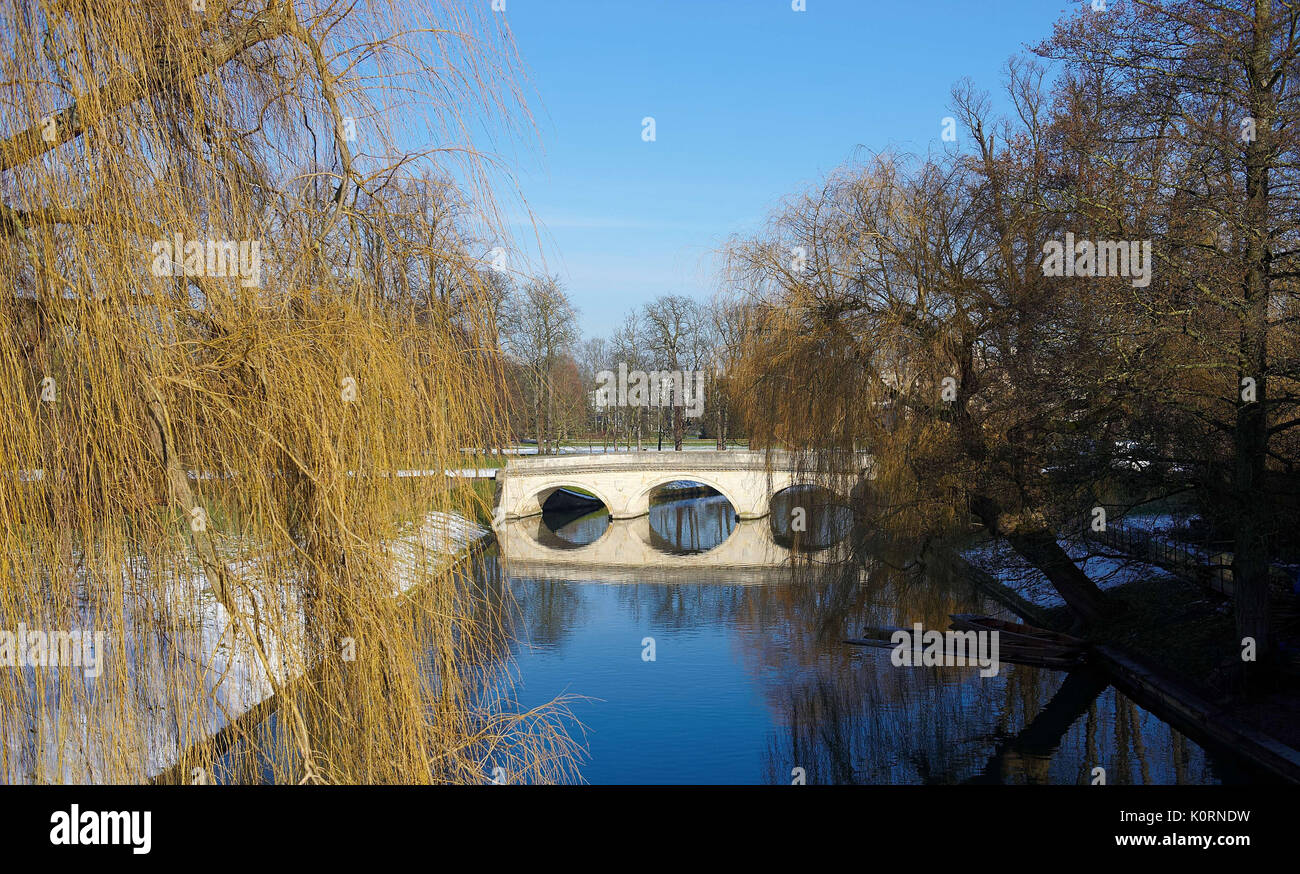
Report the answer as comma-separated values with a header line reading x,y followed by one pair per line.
x,y
998,559
215,675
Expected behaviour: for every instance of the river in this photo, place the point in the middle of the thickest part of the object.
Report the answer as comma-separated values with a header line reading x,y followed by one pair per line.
x,y
739,674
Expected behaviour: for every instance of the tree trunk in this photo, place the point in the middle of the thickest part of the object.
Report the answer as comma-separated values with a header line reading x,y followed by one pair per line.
x,y
550,409
1039,547
1038,740
1250,572
537,415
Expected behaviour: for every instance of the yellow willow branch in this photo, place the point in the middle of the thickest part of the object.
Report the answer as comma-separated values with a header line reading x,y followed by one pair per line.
x,y
125,89
218,574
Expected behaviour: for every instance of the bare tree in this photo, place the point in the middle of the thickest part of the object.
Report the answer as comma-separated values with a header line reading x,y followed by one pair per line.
x,y
731,321
672,328
593,357
1197,102
542,325
901,309
627,348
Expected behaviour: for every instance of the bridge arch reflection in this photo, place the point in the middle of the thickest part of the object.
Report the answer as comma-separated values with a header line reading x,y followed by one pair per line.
x,y
630,551
809,517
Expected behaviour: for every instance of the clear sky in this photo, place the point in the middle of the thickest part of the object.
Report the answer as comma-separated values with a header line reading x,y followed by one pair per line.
x,y
752,102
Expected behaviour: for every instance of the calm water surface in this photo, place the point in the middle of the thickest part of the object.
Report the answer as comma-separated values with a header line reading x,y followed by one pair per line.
x,y
750,680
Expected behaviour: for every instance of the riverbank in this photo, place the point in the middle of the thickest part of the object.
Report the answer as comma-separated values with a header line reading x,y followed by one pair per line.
x,y
1158,650
454,541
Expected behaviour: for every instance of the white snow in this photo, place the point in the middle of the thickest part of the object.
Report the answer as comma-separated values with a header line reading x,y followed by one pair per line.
x,y
213,676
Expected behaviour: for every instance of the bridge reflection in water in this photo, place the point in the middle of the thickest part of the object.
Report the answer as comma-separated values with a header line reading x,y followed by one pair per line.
x,y
751,681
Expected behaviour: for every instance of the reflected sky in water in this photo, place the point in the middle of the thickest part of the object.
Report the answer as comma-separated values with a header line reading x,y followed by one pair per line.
x,y
752,681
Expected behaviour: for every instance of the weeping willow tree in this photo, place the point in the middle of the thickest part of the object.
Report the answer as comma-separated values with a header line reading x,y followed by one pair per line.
x,y
241,299
902,309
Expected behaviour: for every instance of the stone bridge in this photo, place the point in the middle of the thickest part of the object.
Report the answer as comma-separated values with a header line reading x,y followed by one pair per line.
x,y
623,481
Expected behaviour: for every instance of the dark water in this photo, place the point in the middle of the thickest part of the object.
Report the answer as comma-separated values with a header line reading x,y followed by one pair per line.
x,y
750,680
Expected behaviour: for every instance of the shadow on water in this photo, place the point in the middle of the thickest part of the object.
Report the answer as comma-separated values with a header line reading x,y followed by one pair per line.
x,y
569,521
809,518
705,680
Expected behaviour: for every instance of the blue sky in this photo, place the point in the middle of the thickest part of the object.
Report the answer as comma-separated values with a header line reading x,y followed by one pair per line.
x,y
752,102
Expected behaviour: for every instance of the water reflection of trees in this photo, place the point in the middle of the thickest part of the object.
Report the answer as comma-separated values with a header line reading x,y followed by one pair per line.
x,y
538,744
847,715
886,726
536,612
689,527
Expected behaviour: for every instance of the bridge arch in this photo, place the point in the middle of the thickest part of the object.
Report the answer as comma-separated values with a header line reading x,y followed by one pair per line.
x,y
833,496
537,496
641,502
